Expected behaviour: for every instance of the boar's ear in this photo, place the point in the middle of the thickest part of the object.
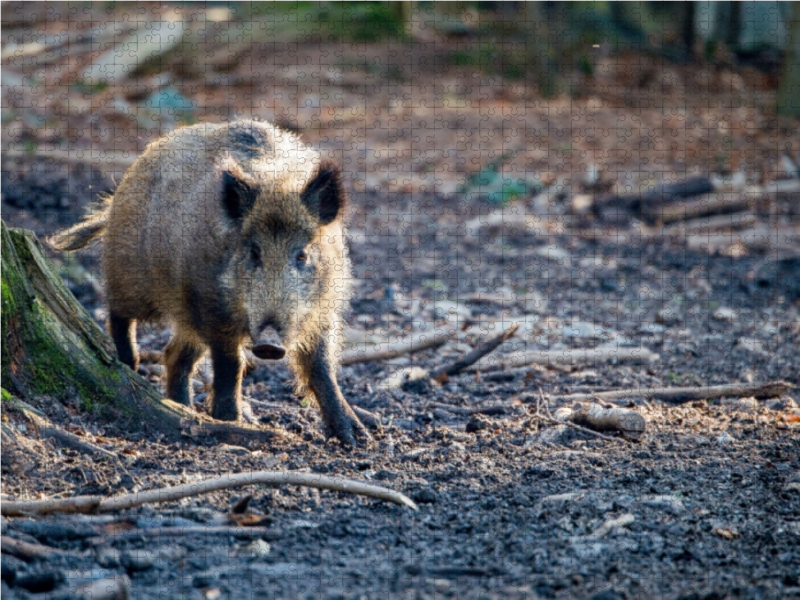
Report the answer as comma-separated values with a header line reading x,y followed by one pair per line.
x,y
324,194
238,194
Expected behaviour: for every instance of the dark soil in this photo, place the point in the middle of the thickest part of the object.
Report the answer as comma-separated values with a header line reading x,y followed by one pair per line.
x,y
514,507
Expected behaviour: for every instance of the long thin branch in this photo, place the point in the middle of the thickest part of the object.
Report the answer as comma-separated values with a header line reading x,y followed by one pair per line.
x,y
678,395
474,356
94,504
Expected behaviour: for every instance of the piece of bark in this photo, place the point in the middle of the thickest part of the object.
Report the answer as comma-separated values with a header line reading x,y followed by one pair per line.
x,y
394,349
714,225
95,504
27,551
661,195
442,373
679,395
621,420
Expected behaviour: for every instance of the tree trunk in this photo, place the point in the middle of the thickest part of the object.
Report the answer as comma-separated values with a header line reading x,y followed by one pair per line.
x,y
52,347
541,51
789,87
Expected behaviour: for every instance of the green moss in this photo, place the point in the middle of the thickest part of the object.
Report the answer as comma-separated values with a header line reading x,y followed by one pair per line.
x,y
5,395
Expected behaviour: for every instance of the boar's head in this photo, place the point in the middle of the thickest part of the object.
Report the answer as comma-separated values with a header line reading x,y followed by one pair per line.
x,y
286,269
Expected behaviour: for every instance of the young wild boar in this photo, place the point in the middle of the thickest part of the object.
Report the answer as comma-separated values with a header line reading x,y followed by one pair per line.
x,y
234,233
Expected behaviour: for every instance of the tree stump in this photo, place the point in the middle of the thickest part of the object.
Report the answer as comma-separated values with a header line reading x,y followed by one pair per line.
x,y
52,347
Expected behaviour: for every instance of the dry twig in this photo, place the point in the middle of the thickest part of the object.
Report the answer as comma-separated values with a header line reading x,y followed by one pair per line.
x,y
95,504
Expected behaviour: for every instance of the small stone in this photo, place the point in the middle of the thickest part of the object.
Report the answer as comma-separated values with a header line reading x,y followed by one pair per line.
x,y
256,549
725,314
137,560
416,386
477,423
725,438
667,316
108,557
238,450
424,496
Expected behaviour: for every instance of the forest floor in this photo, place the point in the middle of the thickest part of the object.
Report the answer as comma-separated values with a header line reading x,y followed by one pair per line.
x,y
705,505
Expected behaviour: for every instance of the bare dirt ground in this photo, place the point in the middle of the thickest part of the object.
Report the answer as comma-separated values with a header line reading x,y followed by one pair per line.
x,y
705,506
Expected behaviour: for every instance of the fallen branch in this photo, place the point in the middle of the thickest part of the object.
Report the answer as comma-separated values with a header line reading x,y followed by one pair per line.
x,y
95,504
26,550
70,440
386,351
678,395
560,358
627,422
441,374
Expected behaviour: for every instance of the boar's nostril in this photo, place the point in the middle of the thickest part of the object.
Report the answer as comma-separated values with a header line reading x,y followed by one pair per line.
x,y
269,351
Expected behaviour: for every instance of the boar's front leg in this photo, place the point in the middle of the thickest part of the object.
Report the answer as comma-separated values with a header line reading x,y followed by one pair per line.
x,y
316,371
180,357
227,388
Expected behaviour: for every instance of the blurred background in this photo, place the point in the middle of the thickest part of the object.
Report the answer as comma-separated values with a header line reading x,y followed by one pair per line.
x,y
606,172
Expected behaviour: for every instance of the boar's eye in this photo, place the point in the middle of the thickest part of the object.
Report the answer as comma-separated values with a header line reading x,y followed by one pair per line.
x,y
301,258
255,254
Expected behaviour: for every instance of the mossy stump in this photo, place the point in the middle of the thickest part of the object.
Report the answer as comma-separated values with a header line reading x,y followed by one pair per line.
x,y
51,346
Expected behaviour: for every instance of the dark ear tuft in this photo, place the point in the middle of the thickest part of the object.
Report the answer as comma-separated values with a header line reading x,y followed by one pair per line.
x,y
238,194
324,194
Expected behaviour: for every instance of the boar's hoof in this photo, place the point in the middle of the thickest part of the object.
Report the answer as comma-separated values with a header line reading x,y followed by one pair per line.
x,y
224,410
350,432
269,351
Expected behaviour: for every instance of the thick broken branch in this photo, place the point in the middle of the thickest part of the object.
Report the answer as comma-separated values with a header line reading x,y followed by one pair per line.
x,y
442,373
678,395
94,504
627,422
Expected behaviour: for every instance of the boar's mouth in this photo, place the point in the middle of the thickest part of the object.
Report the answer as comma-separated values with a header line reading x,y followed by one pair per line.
x,y
267,346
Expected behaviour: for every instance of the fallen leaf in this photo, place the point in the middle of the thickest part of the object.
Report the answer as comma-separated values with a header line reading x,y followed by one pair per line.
x,y
250,520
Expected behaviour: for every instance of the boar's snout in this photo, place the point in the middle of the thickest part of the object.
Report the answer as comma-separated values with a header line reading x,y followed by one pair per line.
x,y
268,344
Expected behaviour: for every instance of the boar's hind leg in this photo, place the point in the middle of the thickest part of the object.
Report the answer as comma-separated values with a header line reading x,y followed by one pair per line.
x,y
123,332
317,371
180,357
228,370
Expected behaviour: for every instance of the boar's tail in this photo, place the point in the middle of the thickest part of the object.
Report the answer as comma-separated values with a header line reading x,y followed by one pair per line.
x,y
81,234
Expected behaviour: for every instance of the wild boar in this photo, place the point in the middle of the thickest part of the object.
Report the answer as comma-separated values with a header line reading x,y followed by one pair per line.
x,y
233,233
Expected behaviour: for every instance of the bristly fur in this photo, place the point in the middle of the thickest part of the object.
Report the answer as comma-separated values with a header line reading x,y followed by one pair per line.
x,y
205,230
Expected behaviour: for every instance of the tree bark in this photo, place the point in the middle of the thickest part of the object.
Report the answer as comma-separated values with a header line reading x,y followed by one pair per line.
x,y
789,87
